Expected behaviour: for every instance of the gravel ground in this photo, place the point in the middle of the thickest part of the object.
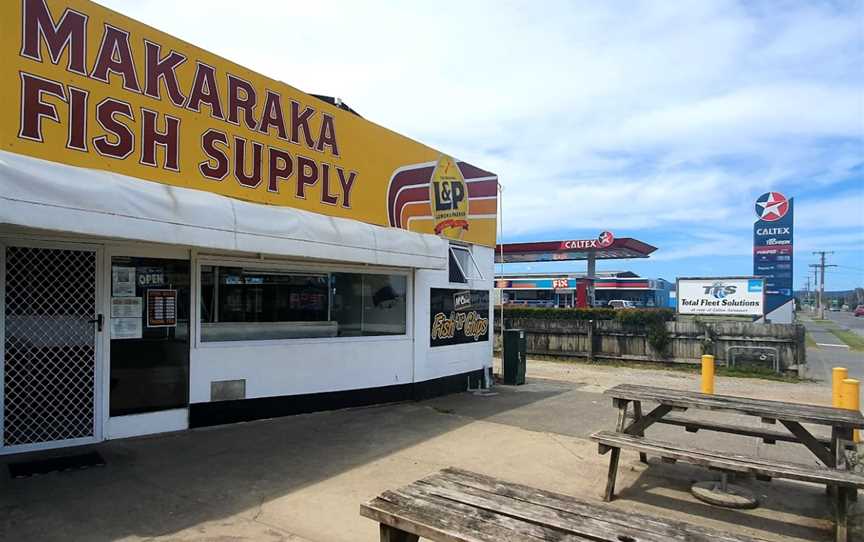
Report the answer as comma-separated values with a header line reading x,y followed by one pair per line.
x,y
602,377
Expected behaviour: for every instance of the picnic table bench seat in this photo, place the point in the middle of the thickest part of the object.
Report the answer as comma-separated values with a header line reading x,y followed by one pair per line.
x,y
721,460
768,436
455,505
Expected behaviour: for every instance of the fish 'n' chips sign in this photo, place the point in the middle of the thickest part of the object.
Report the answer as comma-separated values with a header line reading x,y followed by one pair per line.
x,y
458,316
94,89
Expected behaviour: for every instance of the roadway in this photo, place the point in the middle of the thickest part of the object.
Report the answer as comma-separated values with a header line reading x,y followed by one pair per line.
x,y
847,320
831,351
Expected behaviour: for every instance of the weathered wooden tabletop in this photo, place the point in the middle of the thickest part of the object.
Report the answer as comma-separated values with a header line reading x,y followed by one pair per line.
x,y
781,410
454,505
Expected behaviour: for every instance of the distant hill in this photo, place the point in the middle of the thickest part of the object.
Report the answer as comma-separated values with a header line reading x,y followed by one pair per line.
x,y
828,293
848,297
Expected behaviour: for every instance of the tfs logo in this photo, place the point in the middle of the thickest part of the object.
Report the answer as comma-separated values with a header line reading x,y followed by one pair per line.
x,y
448,194
718,290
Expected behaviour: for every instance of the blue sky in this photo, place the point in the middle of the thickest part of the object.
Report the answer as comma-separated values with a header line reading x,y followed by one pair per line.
x,y
660,120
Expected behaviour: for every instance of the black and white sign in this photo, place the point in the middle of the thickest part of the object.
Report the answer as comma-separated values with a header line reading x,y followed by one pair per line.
x,y
122,281
458,316
126,328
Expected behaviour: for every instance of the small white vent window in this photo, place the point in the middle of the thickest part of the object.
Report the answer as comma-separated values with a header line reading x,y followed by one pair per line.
x,y
462,265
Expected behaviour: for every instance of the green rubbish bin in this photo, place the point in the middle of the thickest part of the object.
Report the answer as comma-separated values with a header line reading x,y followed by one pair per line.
x,y
514,356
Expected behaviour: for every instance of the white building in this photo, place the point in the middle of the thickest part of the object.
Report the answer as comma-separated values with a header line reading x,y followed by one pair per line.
x,y
180,246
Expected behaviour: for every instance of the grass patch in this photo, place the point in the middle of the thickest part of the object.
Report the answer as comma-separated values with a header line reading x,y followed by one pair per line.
x,y
808,340
850,338
721,370
758,372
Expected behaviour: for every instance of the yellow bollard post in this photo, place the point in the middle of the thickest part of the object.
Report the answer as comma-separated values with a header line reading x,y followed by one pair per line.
x,y
707,374
838,375
851,397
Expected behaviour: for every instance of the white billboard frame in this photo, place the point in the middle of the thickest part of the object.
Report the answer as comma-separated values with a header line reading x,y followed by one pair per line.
x,y
717,305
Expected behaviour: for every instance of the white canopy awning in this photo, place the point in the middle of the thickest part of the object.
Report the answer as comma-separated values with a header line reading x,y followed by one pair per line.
x,y
36,193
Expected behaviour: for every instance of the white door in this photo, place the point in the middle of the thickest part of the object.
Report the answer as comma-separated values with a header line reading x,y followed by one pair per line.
x,y
50,359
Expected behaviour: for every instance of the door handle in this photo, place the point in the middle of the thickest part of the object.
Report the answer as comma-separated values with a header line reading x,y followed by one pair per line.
x,y
98,321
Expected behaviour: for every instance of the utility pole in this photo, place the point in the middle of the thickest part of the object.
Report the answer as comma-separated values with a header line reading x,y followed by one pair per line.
x,y
821,267
815,285
807,292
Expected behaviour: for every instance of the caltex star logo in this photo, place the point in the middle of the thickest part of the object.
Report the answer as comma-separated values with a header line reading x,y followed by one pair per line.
x,y
605,239
771,206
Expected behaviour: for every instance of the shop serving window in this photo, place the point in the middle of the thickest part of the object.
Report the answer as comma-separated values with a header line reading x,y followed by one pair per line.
x,y
367,305
243,304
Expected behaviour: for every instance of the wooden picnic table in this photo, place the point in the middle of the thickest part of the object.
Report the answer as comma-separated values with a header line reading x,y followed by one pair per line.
x,y
791,415
456,505
829,451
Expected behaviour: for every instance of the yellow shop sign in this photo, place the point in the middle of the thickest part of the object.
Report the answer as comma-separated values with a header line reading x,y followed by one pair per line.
x,y
94,89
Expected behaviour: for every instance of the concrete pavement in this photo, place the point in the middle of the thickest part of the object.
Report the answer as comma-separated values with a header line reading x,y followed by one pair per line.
x,y
302,478
820,334
830,351
821,360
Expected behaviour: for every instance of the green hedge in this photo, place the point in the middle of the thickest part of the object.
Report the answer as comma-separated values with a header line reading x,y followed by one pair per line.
x,y
635,317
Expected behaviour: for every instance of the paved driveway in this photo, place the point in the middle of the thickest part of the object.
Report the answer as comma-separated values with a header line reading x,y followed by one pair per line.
x,y
302,478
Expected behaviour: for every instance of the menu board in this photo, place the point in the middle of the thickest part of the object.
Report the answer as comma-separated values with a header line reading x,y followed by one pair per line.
x,y
161,308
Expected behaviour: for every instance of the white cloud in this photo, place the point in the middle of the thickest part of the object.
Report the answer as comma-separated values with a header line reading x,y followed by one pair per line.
x,y
668,117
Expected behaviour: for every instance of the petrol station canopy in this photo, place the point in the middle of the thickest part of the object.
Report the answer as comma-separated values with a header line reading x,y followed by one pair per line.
x,y
604,247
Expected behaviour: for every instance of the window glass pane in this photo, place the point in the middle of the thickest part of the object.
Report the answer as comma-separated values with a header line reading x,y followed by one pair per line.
x,y
369,304
347,307
240,304
149,326
456,274
384,306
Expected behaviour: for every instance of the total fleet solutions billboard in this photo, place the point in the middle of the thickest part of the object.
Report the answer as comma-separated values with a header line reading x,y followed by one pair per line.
x,y
721,296
772,255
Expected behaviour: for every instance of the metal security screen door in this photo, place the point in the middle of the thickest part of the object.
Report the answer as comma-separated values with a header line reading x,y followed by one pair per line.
x,y
49,336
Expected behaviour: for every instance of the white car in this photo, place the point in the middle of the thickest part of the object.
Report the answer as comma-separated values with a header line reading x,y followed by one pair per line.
x,y
621,304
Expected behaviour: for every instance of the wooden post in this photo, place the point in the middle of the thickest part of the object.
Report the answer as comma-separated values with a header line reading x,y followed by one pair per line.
x,y
637,415
622,405
842,520
613,471
841,493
